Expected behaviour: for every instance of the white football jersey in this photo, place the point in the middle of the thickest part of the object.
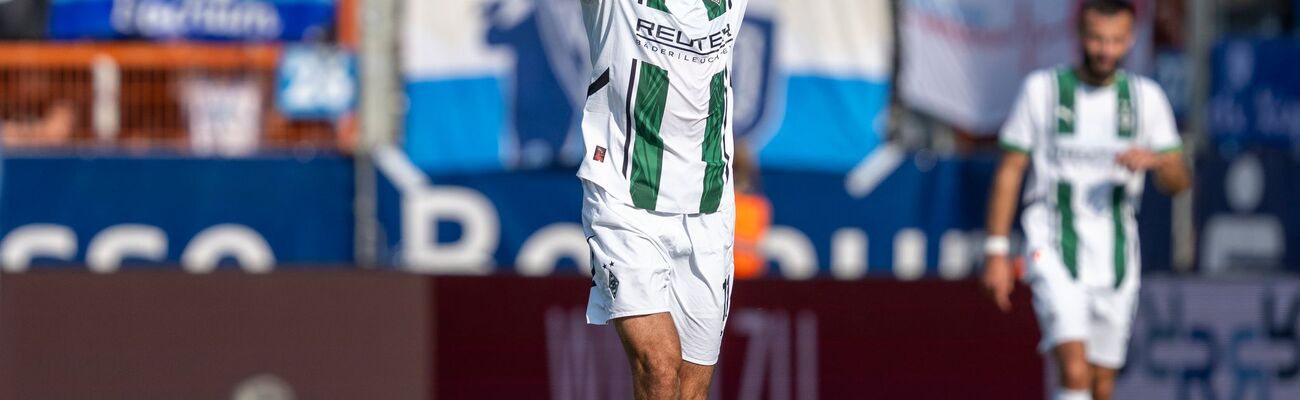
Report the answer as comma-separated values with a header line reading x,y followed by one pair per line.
x,y
1079,198
657,124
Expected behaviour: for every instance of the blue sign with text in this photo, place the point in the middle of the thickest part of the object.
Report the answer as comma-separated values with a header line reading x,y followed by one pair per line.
x,y
113,212
925,218
236,20
1255,95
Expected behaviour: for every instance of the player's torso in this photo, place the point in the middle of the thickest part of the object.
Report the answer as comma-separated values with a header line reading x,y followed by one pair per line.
x,y
1079,193
1080,143
657,121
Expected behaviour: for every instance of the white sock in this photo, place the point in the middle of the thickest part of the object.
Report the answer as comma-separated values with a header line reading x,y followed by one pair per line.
x,y
1069,394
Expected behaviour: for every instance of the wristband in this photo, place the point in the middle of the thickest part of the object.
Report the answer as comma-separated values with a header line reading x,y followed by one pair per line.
x,y
997,246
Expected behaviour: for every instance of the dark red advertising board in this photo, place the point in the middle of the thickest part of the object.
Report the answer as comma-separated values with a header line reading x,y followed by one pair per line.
x,y
526,338
284,335
355,335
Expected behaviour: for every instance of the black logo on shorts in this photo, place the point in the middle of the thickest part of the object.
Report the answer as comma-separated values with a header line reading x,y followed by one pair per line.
x,y
593,262
613,281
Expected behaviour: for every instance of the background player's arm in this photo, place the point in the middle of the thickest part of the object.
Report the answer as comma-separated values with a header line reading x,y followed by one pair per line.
x,y
999,276
54,128
1017,139
1161,151
1171,172
1006,190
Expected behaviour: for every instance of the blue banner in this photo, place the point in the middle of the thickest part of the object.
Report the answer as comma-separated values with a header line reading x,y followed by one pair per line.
x,y
1255,95
1246,212
236,20
199,213
923,219
499,85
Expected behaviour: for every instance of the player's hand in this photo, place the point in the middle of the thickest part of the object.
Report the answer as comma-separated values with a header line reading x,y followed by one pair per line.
x,y
999,280
1138,160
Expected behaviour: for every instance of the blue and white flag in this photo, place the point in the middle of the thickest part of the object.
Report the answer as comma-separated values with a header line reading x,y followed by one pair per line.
x,y
500,84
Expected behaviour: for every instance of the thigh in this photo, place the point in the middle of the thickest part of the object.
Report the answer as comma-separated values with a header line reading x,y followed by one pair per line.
x,y
651,338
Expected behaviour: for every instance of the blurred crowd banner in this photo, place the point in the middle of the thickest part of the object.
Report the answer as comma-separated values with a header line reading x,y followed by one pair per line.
x,y
1204,339
238,20
499,85
918,220
107,213
1256,92
1246,210
784,340
963,60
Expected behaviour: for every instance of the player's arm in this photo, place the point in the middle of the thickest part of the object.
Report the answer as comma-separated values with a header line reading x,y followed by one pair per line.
x,y
1162,150
1171,172
1006,192
54,128
999,276
1017,139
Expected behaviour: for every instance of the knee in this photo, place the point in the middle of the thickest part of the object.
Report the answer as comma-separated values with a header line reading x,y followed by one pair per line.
x,y
1076,375
1103,387
659,371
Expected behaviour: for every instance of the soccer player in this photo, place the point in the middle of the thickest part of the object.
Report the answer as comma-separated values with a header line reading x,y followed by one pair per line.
x,y
1090,132
658,200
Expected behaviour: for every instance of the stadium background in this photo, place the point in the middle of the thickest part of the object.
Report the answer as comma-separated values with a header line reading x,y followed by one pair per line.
x,y
273,199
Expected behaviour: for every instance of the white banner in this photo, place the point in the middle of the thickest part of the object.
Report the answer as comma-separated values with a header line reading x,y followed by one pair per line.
x,y
963,60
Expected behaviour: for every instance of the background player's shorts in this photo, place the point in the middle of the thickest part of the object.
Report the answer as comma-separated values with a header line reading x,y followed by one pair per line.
x,y
1068,310
646,262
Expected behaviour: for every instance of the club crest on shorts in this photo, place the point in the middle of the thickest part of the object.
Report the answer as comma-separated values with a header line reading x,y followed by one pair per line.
x,y
612,282
600,154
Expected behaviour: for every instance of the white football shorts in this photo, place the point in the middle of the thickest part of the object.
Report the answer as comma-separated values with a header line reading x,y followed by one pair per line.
x,y
646,262
1068,309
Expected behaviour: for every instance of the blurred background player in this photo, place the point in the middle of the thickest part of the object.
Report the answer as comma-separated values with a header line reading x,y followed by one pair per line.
x,y
1091,132
753,215
658,200
54,128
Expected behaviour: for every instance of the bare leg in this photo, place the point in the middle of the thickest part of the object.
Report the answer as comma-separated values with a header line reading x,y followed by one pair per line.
x,y
695,380
655,354
1103,382
1075,373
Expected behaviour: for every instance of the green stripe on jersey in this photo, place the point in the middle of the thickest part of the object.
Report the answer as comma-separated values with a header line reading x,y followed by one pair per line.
x,y
715,167
1011,147
1118,197
1065,111
1069,238
716,8
661,5
1125,115
648,154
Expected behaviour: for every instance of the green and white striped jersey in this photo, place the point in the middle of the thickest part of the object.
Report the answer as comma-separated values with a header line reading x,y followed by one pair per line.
x,y
657,124
1079,199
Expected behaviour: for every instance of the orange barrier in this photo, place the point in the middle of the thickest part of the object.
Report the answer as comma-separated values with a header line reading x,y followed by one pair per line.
x,y
143,95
